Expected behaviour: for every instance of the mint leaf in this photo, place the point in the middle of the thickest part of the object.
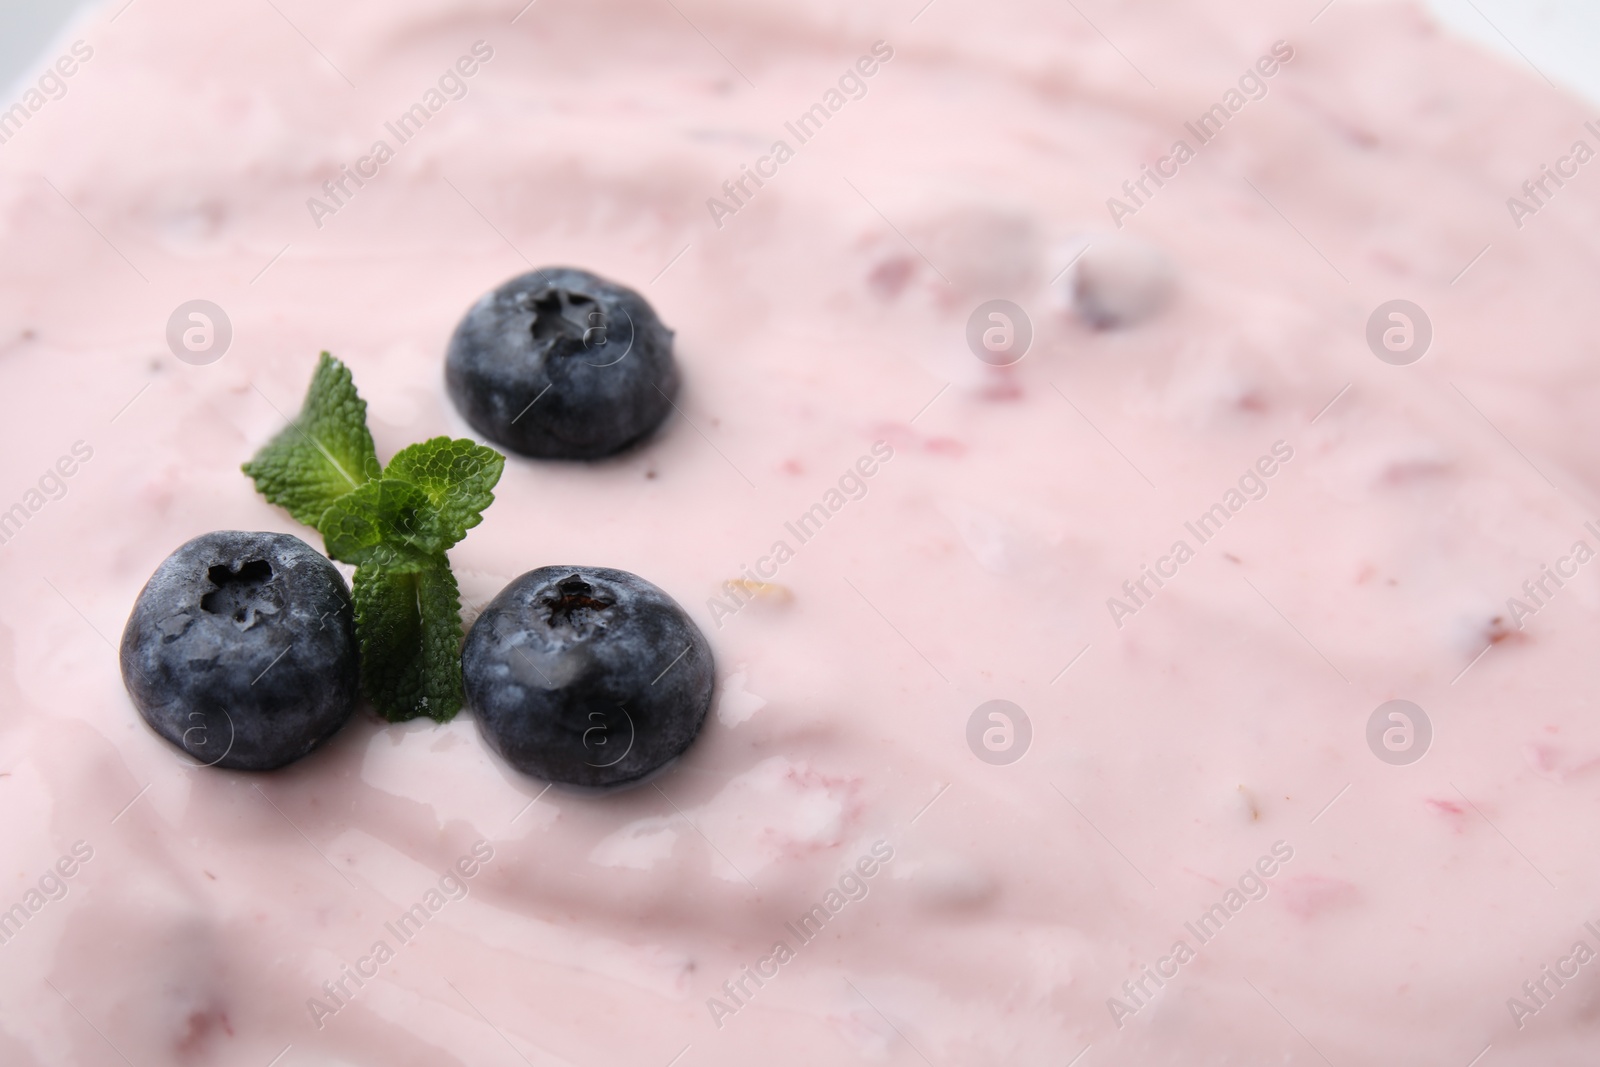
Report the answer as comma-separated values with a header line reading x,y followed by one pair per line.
x,y
409,628
458,476
394,525
388,523
324,453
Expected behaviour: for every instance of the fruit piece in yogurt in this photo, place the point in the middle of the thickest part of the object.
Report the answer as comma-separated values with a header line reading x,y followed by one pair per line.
x,y
241,650
1120,281
587,676
561,364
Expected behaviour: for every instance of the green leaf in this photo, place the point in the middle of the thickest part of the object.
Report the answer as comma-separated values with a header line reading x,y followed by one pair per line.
x,y
409,627
458,476
388,523
324,453
394,525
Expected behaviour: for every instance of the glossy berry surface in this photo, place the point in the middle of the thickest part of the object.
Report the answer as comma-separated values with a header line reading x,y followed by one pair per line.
x,y
587,676
241,650
562,364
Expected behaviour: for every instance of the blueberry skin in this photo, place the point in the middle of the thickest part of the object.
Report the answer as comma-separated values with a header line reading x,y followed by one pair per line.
x,y
200,653
592,354
587,676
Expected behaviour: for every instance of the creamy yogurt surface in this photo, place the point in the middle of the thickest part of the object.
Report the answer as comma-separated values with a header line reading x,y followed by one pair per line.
x,y
996,772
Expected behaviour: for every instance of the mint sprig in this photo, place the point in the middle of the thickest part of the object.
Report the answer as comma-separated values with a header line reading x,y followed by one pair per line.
x,y
323,454
394,524
409,625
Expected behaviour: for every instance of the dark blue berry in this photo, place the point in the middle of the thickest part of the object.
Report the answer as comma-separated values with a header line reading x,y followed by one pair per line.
x,y
587,676
241,650
561,364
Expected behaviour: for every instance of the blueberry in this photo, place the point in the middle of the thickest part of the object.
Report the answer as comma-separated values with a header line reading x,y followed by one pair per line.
x,y
587,676
241,650
561,364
